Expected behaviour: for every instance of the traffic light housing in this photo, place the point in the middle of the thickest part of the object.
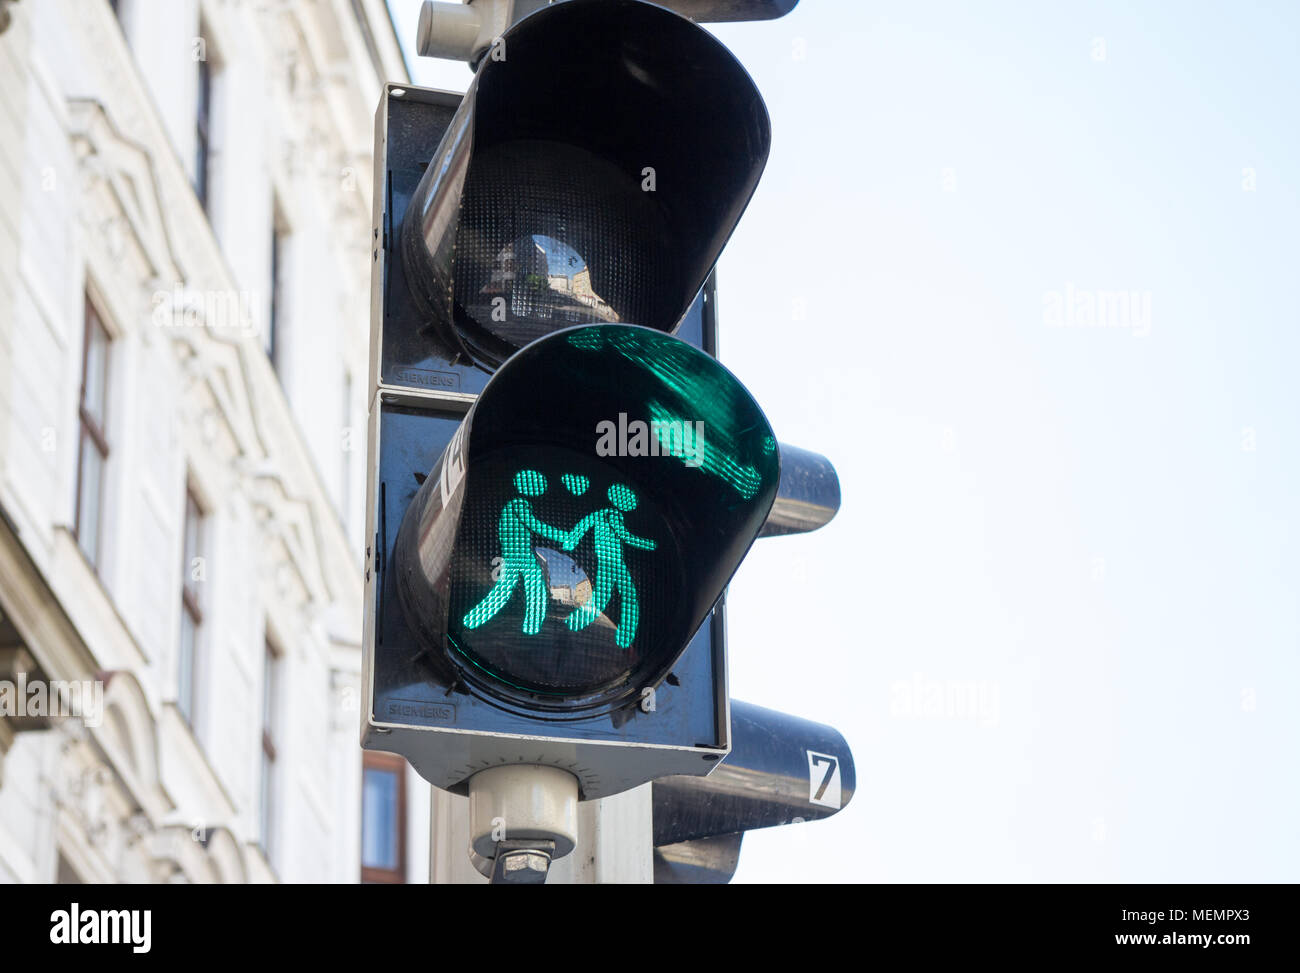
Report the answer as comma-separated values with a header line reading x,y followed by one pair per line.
x,y
512,575
560,490
589,176
598,163
555,563
781,770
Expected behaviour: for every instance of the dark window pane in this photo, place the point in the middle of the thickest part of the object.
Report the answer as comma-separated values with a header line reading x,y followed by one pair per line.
x,y
277,300
202,119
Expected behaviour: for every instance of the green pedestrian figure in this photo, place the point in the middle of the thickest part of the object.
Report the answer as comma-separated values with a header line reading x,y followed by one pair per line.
x,y
515,530
609,534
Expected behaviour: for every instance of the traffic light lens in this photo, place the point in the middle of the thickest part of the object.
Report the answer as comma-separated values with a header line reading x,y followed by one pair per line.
x,y
551,236
557,572
582,523
592,174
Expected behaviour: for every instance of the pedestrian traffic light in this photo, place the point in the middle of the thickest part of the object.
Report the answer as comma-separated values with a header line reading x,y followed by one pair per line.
x,y
590,175
562,552
560,489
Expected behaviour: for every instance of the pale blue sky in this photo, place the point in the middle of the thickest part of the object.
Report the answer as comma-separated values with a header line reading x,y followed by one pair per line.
x,y
1091,529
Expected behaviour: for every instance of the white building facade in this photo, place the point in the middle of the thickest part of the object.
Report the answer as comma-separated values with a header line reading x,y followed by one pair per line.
x,y
185,247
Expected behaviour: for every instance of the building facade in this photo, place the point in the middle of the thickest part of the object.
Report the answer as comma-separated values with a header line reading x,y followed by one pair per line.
x,y
184,311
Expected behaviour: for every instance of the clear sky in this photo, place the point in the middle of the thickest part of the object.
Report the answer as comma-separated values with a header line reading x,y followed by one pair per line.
x,y
1027,273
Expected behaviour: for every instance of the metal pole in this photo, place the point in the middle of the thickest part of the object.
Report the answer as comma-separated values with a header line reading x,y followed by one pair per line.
x,y
614,842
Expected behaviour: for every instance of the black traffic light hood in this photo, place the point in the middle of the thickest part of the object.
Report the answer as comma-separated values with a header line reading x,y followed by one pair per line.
x,y
600,160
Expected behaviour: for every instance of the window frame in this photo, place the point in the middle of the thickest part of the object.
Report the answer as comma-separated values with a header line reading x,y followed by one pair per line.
x,y
268,786
96,430
374,760
187,675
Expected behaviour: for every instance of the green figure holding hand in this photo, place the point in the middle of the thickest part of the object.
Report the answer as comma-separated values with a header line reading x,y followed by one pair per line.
x,y
515,531
609,535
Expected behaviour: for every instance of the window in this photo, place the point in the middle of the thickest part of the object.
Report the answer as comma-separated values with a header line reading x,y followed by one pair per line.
x,y
275,317
203,125
92,456
383,818
270,691
193,573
